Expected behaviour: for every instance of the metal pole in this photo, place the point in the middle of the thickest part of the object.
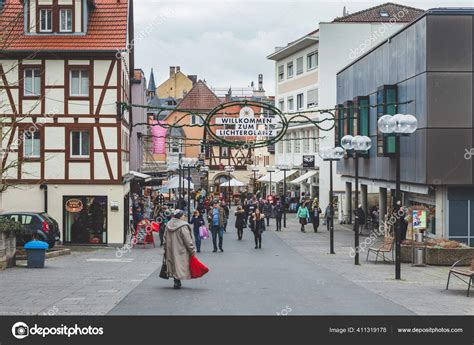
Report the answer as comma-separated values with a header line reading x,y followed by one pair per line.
x,y
398,232
255,182
270,183
189,194
284,198
230,200
356,222
331,210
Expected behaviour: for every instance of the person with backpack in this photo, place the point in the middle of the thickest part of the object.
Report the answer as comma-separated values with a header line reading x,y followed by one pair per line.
x,y
303,214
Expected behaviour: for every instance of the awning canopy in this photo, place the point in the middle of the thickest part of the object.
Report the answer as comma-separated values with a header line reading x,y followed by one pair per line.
x,y
131,175
277,176
173,183
304,177
233,183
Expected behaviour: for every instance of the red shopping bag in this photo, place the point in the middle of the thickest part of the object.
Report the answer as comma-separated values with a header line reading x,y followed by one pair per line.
x,y
197,268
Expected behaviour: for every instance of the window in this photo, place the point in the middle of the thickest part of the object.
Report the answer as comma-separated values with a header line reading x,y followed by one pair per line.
x,y
315,135
349,114
290,103
202,147
196,120
224,152
289,69
79,82
312,60
312,98
280,146
80,145
175,145
288,143
299,101
296,136
32,82
281,73
362,116
386,104
299,65
383,14
306,142
65,20
339,124
125,146
281,105
46,20
31,144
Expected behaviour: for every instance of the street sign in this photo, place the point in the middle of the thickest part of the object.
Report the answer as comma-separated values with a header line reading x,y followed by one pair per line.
x,y
308,161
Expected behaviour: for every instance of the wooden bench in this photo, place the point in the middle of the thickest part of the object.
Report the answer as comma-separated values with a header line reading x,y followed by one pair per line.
x,y
465,274
380,251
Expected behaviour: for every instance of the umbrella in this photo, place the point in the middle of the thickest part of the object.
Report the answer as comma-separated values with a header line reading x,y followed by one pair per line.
x,y
174,183
233,183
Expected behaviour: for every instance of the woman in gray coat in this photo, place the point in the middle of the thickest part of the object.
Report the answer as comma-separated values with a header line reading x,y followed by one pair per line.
x,y
179,248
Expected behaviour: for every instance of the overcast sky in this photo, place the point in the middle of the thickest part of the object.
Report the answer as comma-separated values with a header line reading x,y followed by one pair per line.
x,y
226,41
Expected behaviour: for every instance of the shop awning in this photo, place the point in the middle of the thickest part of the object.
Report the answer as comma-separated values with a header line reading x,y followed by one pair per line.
x,y
279,176
266,178
173,183
131,175
233,183
304,177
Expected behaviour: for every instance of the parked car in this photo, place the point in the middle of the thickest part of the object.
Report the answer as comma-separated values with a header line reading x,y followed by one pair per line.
x,y
39,225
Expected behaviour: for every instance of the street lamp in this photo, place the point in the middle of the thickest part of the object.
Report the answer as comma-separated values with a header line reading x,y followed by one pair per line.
x,y
330,155
189,163
284,167
206,170
356,145
398,125
270,170
255,169
230,169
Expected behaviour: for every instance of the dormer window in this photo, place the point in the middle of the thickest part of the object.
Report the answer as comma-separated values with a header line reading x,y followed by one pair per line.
x,y
65,20
46,20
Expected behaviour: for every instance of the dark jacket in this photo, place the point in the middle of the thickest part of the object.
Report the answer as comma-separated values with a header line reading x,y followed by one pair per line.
x,y
360,214
240,219
278,210
267,209
257,226
197,222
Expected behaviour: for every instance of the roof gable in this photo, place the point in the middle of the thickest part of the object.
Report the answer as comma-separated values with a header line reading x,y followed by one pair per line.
x,y
200,97
397,12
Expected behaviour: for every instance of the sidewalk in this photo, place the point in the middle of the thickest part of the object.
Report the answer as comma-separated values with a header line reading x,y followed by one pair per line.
x,y
421,290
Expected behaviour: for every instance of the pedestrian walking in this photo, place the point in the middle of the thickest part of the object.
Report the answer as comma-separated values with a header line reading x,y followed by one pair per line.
x,y
217,222
179,248
315,212
329,215
303,215
278,215
257,224
240,222
226,212
197,221
359,218
267,211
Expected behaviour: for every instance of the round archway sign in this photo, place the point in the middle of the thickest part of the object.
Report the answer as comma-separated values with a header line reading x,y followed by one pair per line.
x,y
247,124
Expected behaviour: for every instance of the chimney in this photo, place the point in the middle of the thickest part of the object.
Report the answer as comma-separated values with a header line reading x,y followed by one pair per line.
x,y
172,71
193,78
260,82
178,68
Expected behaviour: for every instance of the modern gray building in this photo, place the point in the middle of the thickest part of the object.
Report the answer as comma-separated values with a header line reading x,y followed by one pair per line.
x,y
427,68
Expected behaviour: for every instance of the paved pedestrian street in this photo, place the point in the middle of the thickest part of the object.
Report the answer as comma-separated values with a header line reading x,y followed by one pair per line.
x,y
291,275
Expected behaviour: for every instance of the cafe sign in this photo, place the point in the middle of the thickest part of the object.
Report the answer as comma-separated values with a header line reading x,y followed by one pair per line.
x,y
249,124
74,205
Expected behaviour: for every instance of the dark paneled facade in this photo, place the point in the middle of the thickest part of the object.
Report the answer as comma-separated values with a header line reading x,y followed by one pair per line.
x,y
430,62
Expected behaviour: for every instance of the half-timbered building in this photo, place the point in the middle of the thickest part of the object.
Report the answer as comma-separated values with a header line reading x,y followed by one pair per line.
x,y
65,69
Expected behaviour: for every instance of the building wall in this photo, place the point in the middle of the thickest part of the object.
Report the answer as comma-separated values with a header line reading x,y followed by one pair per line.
x,y
177,85
139,115
339,45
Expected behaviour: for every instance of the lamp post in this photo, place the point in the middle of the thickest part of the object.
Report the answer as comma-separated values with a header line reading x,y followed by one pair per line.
x,y
331,155
270,170
255,169
230,169
356,145
206,170
189,163
284,168
398,125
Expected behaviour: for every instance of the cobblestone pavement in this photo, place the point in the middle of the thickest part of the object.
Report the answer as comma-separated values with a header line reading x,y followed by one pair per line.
x,y
421,290
293,269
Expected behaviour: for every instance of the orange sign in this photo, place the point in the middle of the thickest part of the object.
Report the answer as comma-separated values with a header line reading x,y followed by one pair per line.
x,y
74,205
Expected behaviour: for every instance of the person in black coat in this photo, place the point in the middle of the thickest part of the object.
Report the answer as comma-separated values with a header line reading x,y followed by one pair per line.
x,y
257,224
360,218
240,222
278,215
197,221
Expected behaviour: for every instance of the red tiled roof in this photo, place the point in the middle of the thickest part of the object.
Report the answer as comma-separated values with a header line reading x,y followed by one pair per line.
x,y
107,30
400,13
200,97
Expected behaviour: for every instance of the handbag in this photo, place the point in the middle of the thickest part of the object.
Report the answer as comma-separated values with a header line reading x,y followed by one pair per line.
x,y
197,268
164,269
203,232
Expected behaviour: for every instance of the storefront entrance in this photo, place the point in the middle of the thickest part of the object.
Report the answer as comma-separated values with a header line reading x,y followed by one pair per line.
x,y
85,219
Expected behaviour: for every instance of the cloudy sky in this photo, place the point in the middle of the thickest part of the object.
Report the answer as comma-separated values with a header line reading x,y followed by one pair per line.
x,y
226,41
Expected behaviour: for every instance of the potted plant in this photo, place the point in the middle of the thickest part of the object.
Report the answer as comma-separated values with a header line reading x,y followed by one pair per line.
x,y
8,231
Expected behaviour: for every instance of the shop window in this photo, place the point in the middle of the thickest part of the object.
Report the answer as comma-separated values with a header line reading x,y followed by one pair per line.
x,y
386,104
31,144
80,144
85,219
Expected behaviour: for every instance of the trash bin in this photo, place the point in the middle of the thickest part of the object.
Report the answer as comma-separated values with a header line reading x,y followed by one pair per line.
x,y
419,256
36,253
